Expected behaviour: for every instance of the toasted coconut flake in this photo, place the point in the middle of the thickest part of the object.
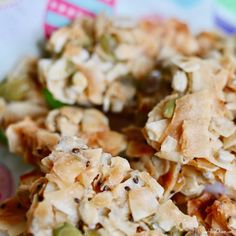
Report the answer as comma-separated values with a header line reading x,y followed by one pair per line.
x,y
187,65
118,171
169,179
195,138
117,95
136,199
230,141
80,82
171,156
152,184
12,218
63,200
225,156
58,39
220,213
17,111
203,164
155,166
156,128
177,218
169,150
94,121
229,179
190,107
112,142
30,141
225,165
169,144
40,219
194,183
197,206
223,126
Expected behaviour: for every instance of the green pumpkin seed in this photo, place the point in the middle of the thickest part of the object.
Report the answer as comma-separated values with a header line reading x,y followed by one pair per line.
x,y
67,230
169,109
14,89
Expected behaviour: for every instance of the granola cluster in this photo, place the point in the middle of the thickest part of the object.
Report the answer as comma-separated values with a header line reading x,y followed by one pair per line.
x,y
97,61
195,127
130,126
102,192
